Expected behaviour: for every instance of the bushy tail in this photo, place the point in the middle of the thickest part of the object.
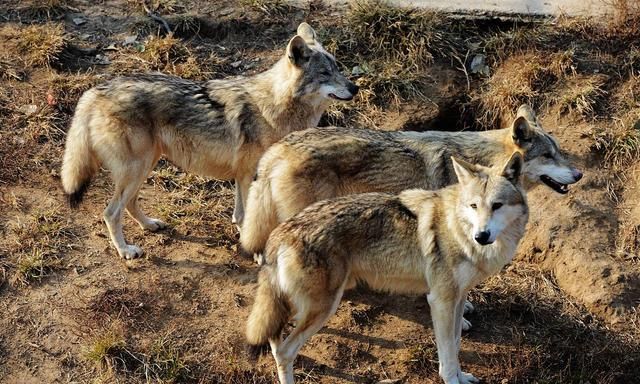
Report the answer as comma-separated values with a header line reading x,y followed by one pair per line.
x,y
269,314
260,217
79,164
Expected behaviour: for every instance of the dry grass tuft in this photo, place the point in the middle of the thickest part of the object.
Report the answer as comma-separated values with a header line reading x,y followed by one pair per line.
x,y
582,95
169,55
162,362
34,45
271,8
412,37
620,143
43,9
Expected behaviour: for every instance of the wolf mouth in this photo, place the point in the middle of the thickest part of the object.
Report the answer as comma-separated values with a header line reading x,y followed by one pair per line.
x,y
558,187
333,96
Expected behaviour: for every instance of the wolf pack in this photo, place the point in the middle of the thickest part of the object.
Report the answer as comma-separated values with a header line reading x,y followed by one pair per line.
x,y
321,209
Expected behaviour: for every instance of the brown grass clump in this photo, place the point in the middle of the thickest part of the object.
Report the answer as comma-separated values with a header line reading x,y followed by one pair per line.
x,y
582,94
43,9
271,8
412,37
520,79
170,55
620,143
35,45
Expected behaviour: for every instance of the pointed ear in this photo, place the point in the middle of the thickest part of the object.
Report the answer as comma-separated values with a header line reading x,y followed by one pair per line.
x,y
464,170
521,131
297,51
307,33
513,169
526,111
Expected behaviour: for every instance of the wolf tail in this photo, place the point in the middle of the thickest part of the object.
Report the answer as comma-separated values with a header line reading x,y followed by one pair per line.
x,y
269,314
79,163
261,216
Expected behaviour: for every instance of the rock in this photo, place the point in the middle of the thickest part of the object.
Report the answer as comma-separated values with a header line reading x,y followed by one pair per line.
x,y
102,60
236,64
478,65
79,21
130,39
28,109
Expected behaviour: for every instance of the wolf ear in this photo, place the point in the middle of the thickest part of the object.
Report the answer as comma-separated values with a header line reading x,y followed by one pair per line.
x,y
513,169
521,131
526,111
306,32
297,51
464,170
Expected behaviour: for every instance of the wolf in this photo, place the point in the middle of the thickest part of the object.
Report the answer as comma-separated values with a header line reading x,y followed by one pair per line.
x,y
441,243
217,128
312,165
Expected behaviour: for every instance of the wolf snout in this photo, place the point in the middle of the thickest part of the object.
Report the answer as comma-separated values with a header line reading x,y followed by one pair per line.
x,y
482,237
352,88
577,175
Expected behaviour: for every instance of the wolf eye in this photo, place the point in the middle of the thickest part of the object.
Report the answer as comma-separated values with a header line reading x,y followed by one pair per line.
x,y
474,206
496,206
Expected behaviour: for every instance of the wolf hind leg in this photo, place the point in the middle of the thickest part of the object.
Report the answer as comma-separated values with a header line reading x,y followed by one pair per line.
x,y
307,324
133,208
128,180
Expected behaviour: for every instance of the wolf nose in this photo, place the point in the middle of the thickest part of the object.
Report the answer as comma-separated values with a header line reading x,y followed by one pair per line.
x,y
353,89
577,174
482,237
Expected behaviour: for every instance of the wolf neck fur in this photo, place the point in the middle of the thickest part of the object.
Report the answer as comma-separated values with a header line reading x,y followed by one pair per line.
x,y
273,91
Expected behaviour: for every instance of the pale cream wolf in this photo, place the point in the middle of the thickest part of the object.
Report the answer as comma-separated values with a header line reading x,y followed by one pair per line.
x,y
312,165
218,128
441,243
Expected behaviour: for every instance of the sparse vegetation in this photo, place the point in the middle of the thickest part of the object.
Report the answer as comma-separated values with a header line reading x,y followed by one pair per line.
x,y
177,316
35,45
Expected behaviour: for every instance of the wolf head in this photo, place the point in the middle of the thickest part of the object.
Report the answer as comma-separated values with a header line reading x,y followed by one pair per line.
x,y
489,201
544,161
319,73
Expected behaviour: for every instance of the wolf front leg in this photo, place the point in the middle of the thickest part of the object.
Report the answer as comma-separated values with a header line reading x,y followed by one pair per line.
x,y
446,315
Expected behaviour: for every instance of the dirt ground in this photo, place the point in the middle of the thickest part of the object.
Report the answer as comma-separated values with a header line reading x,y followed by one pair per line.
x,y
565,311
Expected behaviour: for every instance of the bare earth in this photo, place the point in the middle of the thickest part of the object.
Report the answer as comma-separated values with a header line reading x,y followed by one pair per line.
x,y
566,311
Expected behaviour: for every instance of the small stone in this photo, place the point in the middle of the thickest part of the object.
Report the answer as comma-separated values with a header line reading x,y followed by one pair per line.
x,y
28,109
130,39
478,65
236,64
79,21
102,60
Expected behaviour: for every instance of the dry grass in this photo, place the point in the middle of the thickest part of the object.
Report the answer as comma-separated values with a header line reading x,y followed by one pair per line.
x,y
195,206
43,9
170,55
582,95
39,241
521,79
34,45
270,8
619,144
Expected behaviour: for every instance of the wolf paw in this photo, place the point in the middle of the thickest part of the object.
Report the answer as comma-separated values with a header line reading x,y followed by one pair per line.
x,y
154,225
131,252
258,258
468,307
466,325
467,378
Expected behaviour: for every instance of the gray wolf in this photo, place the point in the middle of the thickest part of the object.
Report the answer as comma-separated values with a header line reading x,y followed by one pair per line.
x,y
441,243
312,165
218,128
